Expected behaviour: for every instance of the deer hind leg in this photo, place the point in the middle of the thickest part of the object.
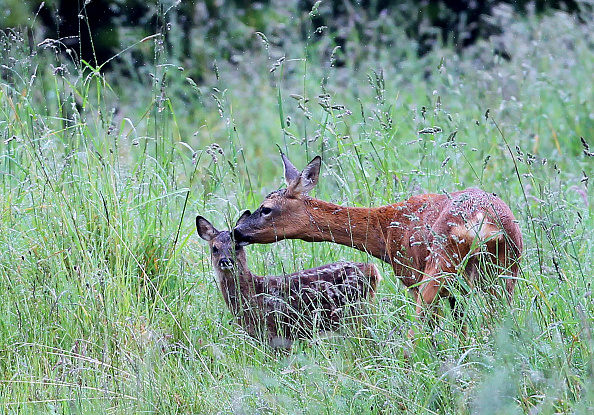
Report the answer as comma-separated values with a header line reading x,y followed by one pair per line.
x,y
440,268
459,314
508,257
493,270
488,266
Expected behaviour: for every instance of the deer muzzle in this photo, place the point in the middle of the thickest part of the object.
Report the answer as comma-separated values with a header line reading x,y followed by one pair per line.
x,y
241,237
226,263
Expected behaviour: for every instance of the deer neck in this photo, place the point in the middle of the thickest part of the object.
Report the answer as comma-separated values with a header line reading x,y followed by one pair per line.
x,y
237,285
363,228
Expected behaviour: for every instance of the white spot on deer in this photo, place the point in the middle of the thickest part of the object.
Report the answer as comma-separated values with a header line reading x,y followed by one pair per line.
x,y
479,228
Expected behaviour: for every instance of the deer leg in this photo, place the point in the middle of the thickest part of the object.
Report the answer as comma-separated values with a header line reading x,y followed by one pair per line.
x,y
500,259
510,283
458,313
456,308
415,294
428,291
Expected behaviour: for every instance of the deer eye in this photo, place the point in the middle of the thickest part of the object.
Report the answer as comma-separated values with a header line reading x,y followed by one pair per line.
x,y
215,250
266,211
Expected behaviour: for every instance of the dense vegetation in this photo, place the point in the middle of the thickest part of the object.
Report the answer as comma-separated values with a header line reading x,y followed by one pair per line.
x,y
108,299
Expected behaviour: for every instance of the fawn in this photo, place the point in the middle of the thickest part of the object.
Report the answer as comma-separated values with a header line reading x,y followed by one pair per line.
x,y
283,308
427,239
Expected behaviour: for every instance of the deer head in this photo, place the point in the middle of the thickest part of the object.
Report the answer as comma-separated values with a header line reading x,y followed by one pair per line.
x,y
224,250
283,214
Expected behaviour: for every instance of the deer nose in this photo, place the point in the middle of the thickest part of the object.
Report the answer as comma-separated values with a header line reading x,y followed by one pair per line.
x,y
226,263
239,237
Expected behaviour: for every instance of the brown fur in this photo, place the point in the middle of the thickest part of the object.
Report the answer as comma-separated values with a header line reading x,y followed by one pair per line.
x,y
427,239
283,308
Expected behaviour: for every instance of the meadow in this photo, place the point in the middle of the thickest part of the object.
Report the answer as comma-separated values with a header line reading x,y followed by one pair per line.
x,y
108,299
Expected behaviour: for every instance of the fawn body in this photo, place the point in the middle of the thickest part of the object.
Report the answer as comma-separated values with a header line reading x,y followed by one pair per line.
x,y
427,239
283,308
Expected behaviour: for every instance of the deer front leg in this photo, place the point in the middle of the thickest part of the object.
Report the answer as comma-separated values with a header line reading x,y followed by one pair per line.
x,y
425,295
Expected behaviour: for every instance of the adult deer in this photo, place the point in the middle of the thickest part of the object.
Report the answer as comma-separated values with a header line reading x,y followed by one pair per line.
x,y
428,239
283,308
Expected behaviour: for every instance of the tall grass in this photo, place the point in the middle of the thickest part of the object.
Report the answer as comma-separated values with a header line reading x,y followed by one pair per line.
x,y
109,302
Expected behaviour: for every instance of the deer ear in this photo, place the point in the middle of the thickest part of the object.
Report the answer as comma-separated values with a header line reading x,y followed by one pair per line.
x,y
307,179
243,217
205,229
291,172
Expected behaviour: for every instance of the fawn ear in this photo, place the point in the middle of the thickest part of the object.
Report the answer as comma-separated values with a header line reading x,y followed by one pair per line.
x,y
205,229
291,172
307,179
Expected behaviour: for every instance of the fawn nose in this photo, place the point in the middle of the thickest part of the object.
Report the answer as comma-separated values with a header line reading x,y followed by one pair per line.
x,y
226,263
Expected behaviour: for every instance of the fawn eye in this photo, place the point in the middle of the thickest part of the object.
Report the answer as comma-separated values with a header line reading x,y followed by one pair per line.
x,y
215,250
266,211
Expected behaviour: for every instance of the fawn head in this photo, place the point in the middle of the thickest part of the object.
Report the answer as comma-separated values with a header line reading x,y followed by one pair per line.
x,y
224,250
283,214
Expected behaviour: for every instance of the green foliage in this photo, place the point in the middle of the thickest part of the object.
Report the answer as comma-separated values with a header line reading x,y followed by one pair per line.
x,y
109,301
